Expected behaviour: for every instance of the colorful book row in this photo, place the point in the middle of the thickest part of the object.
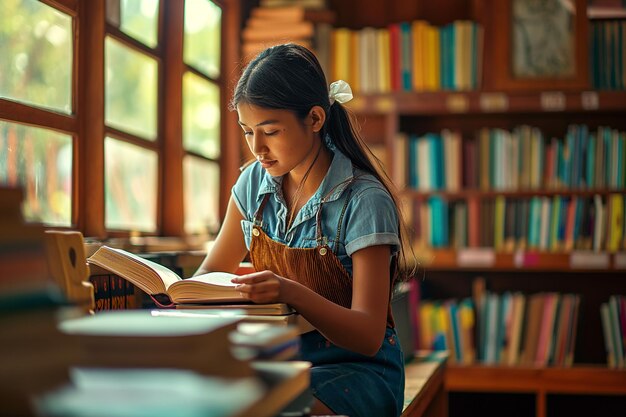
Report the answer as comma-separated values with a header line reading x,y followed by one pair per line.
x,y
113,293
521,159
547,224
407,56
607,44
613,315
506,329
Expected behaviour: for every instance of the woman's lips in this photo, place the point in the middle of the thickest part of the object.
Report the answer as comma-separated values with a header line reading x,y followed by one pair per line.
x,y
267,164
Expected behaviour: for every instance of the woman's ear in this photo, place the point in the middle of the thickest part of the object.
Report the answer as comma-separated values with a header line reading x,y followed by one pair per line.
x,y
318,117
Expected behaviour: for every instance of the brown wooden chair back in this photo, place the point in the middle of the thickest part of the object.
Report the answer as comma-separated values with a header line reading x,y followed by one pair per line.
x,y
68,266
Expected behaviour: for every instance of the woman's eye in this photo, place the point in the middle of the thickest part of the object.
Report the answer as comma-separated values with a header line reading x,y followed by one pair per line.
x,y
272,133
247,133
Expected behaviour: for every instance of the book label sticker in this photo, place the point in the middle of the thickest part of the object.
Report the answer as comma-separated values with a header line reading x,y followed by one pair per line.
x,y
590,100
457,103
588,260
553,101
384,104
476,257
525,259
494,102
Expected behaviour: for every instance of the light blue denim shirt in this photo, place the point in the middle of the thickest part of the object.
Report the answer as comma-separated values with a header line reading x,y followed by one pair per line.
x,y
370,217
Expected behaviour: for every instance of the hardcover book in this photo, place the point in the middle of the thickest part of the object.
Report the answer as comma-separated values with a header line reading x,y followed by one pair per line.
x,y
139,339
164,285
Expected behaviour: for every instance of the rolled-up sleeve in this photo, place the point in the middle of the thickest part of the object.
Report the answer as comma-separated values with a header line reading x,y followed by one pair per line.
x,y
242,191
371,220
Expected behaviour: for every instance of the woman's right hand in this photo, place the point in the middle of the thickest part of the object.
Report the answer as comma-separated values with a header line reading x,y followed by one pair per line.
x,y
261,287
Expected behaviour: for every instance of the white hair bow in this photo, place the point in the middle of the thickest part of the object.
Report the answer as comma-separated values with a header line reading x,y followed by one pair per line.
x,y
339,91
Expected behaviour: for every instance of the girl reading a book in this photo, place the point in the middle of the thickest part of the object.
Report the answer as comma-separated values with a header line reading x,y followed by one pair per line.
x,y
322,229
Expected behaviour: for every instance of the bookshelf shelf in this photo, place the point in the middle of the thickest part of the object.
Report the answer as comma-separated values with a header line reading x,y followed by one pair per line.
x,y
488,102
545,384
582,379
477,259
543,192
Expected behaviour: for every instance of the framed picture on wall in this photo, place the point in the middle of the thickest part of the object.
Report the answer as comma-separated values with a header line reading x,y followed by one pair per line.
x,y
540,45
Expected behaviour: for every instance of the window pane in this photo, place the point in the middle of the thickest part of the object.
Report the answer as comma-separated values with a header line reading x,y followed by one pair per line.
x,y
201,190
136,18
203,26
201,116
36,64
130,186
40,161
130,90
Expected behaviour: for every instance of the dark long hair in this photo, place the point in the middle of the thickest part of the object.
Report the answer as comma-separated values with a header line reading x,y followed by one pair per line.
x,y
289,77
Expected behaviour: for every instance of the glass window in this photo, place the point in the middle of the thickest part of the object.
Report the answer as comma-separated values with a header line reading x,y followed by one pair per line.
x,y
201,192
201,116
136,18
39,160
203,26
37,55
130,186
39,66
130,90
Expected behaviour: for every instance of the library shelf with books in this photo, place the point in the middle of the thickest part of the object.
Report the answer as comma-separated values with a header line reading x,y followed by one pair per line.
x,y
449,269
555,260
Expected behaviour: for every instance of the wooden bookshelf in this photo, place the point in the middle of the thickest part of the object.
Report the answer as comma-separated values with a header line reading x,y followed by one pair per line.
x,y
468,193
443,103
477,259
502,102
541,382
577,380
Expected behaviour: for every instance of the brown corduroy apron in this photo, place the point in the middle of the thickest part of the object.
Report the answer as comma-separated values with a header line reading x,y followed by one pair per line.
x,y
317,268
347,382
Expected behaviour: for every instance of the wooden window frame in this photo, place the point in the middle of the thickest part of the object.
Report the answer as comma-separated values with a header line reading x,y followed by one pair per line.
x,y
87,126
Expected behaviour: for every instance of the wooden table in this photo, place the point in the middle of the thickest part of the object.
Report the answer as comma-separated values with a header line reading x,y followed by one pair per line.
x,y
424,392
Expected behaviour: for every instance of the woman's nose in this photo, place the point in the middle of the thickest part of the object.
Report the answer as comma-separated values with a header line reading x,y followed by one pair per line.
x,y
257,145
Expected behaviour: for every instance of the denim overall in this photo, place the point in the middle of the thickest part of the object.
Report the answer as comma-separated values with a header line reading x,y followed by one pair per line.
x,y
346,382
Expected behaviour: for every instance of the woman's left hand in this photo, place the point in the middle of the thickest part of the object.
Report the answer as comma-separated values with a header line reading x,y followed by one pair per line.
x,y
260,287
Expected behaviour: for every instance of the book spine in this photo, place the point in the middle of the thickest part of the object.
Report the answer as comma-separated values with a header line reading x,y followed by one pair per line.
x,y
118,290
102,291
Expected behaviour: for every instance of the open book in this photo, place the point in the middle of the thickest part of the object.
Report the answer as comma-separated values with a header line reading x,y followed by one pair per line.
x,y
157,280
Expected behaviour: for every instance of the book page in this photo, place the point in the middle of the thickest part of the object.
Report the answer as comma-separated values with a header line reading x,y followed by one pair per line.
x,y
167,275
211,287
221,279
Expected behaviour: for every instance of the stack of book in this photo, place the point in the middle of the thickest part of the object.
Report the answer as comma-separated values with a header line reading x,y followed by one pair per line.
x,y
296,23
151,392
211,291
34,355
168,365
613,314
22,248
137,339
265,341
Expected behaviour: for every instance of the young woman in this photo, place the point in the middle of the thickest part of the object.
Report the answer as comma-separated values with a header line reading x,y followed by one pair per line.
x,y
322,229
